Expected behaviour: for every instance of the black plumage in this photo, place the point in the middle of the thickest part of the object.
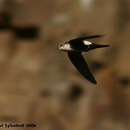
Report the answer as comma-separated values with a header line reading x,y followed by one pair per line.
x,y
79,62
75,47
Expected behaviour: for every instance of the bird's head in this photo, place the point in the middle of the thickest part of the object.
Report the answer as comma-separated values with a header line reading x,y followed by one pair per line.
x,y
65,47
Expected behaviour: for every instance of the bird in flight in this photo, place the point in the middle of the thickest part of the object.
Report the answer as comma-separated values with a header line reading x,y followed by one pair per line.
x,y
75,47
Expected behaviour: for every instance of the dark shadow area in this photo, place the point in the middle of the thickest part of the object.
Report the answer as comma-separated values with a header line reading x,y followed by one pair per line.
x,y
97,65
75,92
26,32
124,81
5,21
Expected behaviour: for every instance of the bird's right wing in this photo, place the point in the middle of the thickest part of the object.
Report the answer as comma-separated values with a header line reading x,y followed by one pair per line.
x,y
79,62
88,37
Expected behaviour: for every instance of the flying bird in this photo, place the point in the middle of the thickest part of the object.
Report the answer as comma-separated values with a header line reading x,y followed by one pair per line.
x,y
74,49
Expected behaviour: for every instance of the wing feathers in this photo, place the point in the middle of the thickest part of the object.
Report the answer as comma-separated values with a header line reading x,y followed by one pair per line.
x,y
84,38
79,62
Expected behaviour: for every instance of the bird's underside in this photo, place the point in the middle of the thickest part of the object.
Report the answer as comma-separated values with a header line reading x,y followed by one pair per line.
x,y
81,65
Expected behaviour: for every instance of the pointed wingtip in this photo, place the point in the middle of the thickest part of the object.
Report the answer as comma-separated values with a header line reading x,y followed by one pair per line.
x,y
106,45
93,81
80,64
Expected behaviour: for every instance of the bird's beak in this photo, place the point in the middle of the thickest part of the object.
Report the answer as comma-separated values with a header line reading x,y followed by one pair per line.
x,y
61,46
94,46
65,47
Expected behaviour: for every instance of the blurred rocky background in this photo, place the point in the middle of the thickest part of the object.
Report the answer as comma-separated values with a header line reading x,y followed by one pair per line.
x,y
39,85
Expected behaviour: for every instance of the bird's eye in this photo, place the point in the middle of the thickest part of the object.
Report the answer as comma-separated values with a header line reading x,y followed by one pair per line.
x,y
61,45
66,42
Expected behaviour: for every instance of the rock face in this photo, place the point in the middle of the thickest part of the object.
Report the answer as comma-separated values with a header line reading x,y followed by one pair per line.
x,y
39,85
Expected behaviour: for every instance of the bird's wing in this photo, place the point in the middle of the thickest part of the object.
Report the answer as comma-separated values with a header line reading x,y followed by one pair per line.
x,y
84,38
79,62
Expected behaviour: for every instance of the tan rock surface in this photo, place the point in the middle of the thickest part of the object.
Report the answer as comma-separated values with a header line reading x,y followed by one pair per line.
x,y
38,84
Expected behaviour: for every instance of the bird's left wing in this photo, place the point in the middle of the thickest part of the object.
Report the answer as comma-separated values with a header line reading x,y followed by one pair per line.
x,y
85,38
79,62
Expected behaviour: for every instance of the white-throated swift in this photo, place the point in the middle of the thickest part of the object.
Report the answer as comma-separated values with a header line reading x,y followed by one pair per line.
x,y
75,47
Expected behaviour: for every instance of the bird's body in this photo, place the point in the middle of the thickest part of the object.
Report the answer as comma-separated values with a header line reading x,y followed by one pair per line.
x,y
75,47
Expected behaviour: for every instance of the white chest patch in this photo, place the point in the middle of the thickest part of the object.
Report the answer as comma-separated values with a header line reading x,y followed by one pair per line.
x,y
67,46
87,42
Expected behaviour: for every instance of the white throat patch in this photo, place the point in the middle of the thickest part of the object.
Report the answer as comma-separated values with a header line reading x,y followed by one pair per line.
x,y
66,47
87,42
